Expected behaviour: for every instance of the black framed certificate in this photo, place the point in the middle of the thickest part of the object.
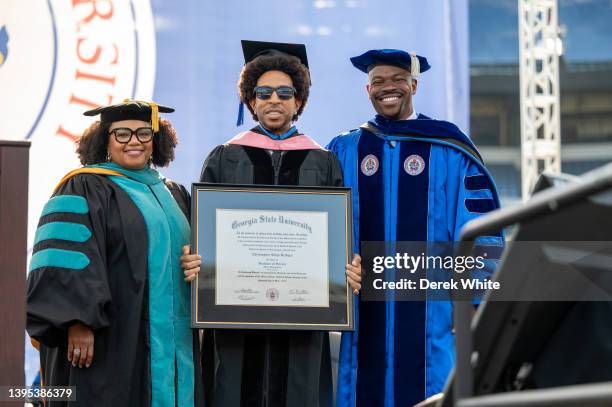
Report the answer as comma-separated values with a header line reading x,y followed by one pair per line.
x,y
273,257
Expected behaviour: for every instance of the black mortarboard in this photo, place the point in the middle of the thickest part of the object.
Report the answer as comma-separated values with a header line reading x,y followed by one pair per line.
x,y
253,49
131,110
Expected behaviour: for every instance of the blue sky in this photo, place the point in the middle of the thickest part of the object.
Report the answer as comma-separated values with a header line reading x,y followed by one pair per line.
x,y
494,30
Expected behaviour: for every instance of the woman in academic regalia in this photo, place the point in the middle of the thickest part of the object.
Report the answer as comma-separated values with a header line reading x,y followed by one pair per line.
x,y
271,368
106,296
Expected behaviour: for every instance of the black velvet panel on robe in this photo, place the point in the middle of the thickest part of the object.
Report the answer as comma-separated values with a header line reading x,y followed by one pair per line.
x,y
110,295
268,368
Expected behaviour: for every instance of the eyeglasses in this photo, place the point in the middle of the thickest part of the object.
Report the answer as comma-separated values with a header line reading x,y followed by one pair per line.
x,y
123,135
283,92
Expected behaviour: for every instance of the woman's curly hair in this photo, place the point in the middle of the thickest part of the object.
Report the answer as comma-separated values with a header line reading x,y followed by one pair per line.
x,y
288,64
93,145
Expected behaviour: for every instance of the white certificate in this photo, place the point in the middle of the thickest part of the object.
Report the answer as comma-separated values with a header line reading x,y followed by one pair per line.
x,y
271,258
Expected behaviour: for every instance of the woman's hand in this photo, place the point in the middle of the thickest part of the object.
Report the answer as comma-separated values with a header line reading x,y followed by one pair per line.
x,y
353,273
80,345
190,264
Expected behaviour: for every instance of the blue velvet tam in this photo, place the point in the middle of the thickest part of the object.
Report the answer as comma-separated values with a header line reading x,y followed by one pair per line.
x,y
365,62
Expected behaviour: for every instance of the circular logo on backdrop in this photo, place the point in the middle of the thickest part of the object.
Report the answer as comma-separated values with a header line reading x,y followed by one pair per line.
x,y
86,54
58,59
369,165
414,165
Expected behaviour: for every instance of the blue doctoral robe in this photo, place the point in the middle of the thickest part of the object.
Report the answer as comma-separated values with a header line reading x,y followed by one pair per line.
x,y
424,180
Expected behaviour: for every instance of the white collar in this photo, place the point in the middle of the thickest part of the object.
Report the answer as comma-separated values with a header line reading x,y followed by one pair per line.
x,y
413,115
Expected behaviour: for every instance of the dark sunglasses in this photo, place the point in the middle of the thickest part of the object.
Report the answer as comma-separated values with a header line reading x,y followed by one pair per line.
x,y
283,92
123,135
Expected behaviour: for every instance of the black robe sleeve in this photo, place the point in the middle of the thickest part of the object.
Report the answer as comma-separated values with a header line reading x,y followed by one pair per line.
x,y
211,170
334,172
68,281
181,196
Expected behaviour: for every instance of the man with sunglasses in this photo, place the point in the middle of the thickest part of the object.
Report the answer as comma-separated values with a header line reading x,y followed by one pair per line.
x,y
271,368
413,179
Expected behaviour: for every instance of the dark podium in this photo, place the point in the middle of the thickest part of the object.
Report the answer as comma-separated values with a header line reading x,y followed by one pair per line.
x,y
539,352
14,159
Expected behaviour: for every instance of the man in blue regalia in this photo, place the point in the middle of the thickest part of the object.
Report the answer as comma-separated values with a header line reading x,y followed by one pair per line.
x,y
424,180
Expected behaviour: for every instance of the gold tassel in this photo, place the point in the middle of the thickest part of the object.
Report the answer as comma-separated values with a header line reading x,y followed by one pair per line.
x,y
154,113
154,116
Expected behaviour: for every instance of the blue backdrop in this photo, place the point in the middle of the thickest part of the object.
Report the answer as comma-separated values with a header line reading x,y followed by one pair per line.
x,y
199,58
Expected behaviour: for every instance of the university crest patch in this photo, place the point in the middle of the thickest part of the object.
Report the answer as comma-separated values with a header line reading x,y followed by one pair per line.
x,y
414,165
369,165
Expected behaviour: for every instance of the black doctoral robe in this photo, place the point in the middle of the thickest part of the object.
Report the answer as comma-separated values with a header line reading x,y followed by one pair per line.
x,y
109,293
268,368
